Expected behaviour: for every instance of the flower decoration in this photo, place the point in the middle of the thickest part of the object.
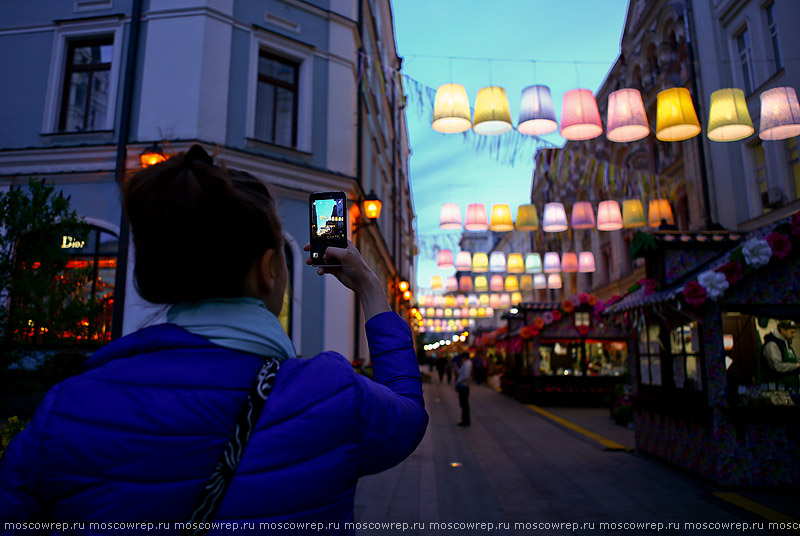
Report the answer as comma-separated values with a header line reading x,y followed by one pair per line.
x,y
568,306
732,271
780,244
538,322
757,252
714,283
584,298
649,285
534,333
525,332
583,329
556,315
547,317
592,300
694,293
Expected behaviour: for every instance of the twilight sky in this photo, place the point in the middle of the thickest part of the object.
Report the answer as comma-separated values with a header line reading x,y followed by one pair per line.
x,y
546,36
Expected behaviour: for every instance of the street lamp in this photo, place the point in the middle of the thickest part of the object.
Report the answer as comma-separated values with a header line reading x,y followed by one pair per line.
x,y
372,206
152,155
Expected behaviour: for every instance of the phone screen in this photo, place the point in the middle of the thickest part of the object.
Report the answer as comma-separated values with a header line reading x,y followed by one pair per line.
x,y
328,211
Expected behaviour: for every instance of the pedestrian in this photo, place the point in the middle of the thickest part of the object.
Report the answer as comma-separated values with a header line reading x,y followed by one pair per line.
x,y
463,368
441,365
448,370
779,362
154,428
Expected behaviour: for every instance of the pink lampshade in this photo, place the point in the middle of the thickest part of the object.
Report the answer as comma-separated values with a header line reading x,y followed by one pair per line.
x,y
505,301
609,216
555,218
627,120
580,117
438,301
496,283
551,263
461,300
494,301
554,281
476,218
450,216
464,261
583,215
465,312
569,262
465,284
451,284
445,259
497,261
586,262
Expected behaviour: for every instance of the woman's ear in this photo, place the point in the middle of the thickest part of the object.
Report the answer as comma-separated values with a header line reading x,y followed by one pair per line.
x,y
260,280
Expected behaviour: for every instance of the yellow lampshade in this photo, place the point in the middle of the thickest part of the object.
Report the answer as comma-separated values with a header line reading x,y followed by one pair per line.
x,y
527,218
372,206
511,283
633,214
569,262
437,283
480,262
483,300
516,298
449,301
676,119
660,210
481,284
501,218
526,282
728,116
451,113
492,114
627,120
516,264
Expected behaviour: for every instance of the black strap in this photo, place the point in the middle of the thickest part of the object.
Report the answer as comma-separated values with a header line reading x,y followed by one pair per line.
x,y
211,498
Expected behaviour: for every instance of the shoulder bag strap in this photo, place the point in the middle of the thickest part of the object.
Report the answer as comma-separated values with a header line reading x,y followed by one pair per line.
x,y
211,498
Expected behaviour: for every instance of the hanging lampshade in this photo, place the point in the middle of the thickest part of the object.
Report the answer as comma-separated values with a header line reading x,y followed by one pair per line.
x,y
780,114
609,217
449,301
483,300
586,262
501,218
448,312
436,282
626,120
539,281
511,283
660,210
527,218
451,113
569,262
494,301
555,218
476,218
465,284
489,311
450,216
526,282
551,262
516,298
728,116
430,311
533,263
457,312
496,283
464,261
516,264
438,301
633,214
461,300
492,114
497,261
481,284
472,299
582,215
580,117
505,301
480,262
473,312
554,281
445,259
676,119
451,284
536,115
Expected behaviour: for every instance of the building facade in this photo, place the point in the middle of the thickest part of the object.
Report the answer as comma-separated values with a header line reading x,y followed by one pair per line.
x,y
302,94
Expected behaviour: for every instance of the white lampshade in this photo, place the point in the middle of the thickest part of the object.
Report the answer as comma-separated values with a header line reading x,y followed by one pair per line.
x,y
539,281
445,259
609,216
554,281
476,218
552,264
497,261
438,301
492,114
450,217
451,284
555,218
464,261
533,263
780,114
536,115
451,113
586,262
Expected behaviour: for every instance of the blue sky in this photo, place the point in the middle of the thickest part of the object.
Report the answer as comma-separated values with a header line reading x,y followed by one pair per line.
x,y
443,168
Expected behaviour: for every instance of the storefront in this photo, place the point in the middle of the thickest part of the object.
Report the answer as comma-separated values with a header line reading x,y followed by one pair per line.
x,y
704,398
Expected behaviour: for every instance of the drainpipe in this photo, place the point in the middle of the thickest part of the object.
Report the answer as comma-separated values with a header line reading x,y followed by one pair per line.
x,y
359,176
121,276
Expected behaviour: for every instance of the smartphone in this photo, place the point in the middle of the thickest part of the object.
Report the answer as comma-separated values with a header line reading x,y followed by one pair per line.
x,y
328,215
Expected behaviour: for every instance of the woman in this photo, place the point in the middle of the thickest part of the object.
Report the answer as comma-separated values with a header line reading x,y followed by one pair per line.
x,y
139,435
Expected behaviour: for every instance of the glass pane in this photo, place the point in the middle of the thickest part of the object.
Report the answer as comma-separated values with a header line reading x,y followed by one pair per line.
x,y
276,69
692,372
76,101
265,98
79,247
98,101
284,117
644,369
108,243
655,370
93,54
678,372
676,340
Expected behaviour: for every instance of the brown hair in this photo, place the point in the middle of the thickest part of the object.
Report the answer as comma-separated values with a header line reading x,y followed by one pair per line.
x,y
197,228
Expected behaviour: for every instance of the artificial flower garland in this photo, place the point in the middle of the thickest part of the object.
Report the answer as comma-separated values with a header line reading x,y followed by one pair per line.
x,y
567,307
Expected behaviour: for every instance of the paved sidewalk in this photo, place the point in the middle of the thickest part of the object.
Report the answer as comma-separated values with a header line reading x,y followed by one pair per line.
x,y
514,465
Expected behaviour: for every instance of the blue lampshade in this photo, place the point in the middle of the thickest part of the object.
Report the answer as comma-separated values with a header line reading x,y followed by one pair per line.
x,y
536,115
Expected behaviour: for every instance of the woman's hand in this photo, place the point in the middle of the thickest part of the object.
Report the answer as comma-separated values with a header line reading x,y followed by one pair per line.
x,y
357,276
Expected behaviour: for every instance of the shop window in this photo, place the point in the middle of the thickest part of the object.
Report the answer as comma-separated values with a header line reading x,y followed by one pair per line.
x,y
650,355
277,100
745,59
87,81
685,350
772,27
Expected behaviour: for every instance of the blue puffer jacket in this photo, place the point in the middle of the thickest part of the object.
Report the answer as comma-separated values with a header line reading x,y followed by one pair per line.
x,y
136,436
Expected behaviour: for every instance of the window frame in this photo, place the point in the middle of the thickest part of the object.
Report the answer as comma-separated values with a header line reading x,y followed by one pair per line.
x,y
282,84
70,69
774,36
744,57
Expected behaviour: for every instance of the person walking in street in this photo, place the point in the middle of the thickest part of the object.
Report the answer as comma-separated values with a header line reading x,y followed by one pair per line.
x,y
463,368
779,360
441,365
211,416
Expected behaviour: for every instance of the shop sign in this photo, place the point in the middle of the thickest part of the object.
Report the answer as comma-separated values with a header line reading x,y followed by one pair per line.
x,y
67,242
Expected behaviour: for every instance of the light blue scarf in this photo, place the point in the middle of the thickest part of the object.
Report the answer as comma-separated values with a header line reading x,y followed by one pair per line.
x,y
239,323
